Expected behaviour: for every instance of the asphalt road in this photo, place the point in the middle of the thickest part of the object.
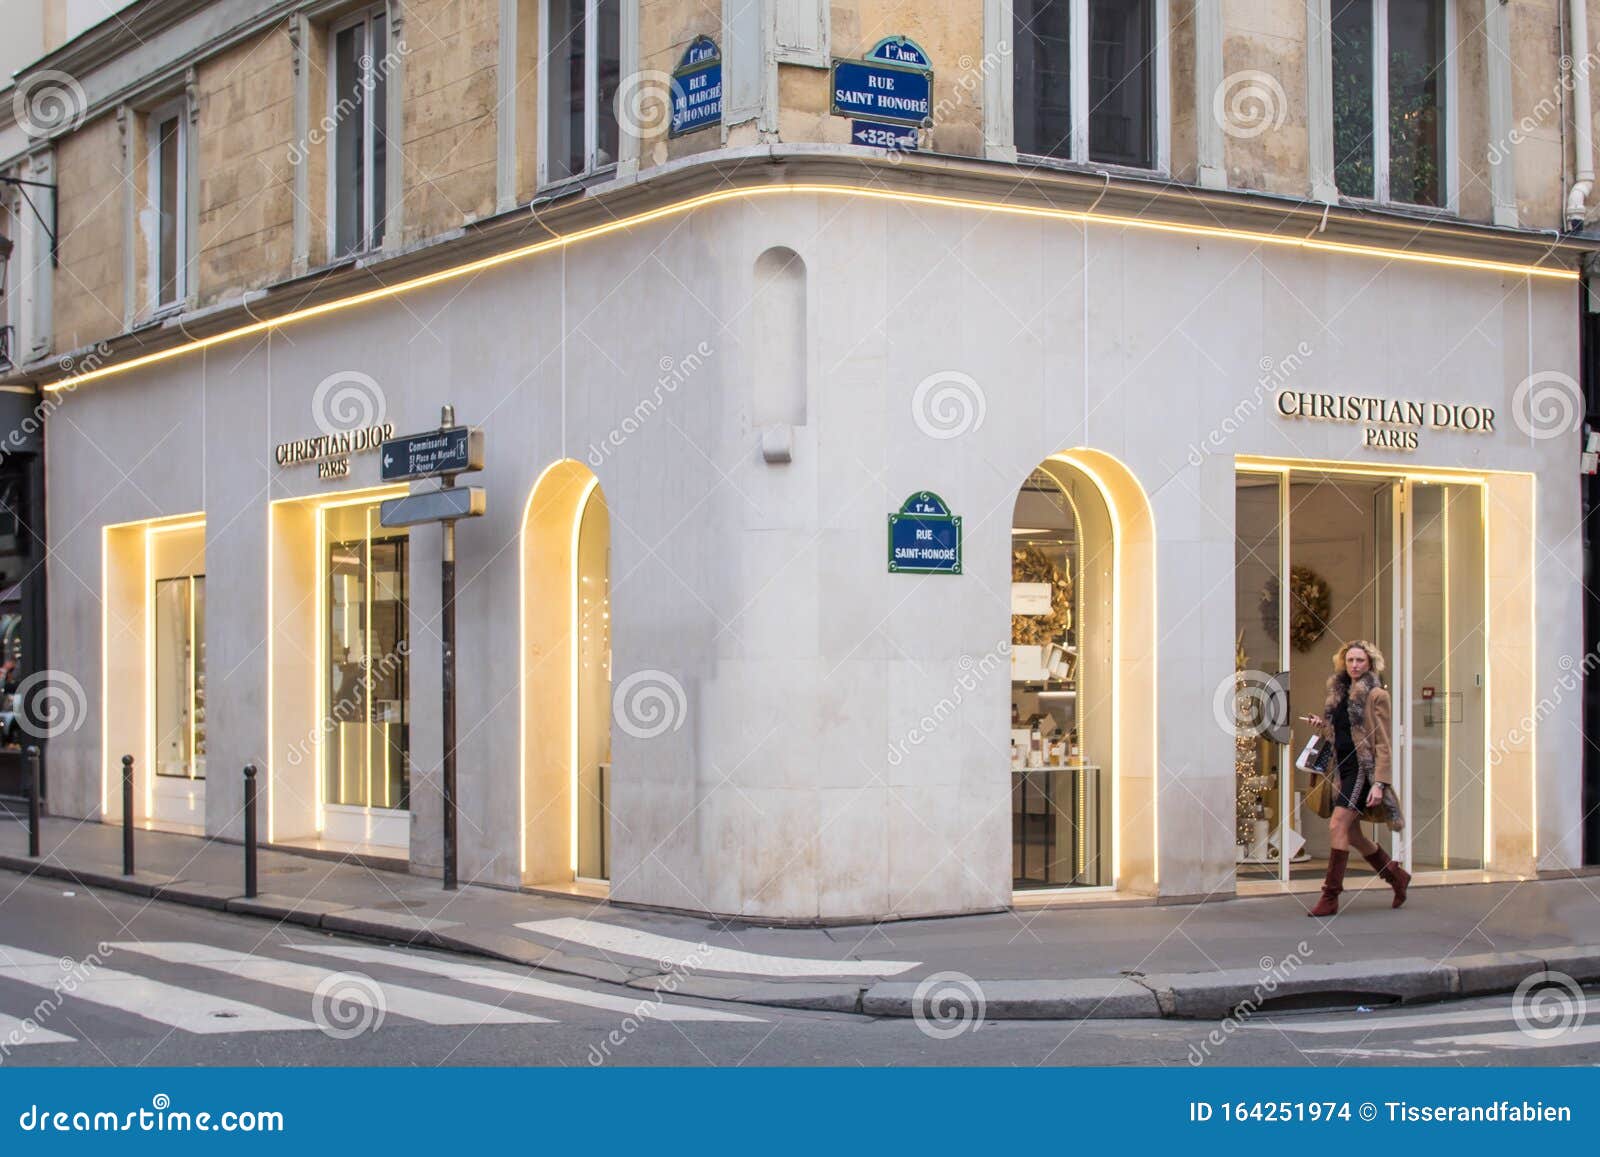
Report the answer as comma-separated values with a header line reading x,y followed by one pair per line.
x,y
93,978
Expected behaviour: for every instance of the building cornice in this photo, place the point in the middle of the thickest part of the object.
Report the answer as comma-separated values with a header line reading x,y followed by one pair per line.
x,y
958,183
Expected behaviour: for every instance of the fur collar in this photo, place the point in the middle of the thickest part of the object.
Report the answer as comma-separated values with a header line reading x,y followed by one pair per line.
x,y
1341,684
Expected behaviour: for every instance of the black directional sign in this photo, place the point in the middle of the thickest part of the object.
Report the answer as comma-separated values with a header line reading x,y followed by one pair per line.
x,y
452,450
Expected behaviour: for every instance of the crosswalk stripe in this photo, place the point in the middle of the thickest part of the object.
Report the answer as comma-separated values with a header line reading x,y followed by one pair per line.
x,y
529,985
167,1004
686,954
415,1003
15,1032
1361,1023
1517,1039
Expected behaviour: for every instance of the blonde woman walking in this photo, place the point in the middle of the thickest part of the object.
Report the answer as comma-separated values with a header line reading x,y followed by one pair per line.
x,y
1356,722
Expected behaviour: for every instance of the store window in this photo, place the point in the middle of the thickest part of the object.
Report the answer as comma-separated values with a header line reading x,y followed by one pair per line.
x,y
168,167
594,689
358,68
1390,93
582,69
1061,686
366,752
180,675
1085,94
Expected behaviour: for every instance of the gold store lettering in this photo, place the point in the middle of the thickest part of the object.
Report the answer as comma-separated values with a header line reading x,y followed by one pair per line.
x,y
340,444
1376,415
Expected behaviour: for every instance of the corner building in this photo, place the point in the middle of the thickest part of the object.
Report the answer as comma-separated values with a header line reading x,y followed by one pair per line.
x,y
710,368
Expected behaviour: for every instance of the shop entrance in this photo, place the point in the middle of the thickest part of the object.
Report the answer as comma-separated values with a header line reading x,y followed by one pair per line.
x,y
1323,557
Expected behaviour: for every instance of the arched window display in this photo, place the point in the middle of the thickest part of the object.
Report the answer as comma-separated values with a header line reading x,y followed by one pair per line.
x,y
180,671
1061,686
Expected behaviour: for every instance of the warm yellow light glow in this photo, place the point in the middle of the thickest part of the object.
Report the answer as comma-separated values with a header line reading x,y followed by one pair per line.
x,y
691,204
572,644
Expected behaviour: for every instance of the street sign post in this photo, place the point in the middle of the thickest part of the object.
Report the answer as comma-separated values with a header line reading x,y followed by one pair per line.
x,y
442,454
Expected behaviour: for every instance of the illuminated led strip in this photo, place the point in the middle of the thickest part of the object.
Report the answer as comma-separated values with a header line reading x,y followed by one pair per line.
x,y
689,205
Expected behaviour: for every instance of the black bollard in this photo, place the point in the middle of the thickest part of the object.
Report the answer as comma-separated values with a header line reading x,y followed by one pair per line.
x,y
33,801
250,830
127,815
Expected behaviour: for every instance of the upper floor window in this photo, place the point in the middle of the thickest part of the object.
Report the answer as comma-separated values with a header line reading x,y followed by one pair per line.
x,y
169,197
1389,119
582,68
1085,94
357,168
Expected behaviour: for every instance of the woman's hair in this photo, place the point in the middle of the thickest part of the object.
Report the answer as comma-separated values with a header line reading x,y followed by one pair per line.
x,y
1374,656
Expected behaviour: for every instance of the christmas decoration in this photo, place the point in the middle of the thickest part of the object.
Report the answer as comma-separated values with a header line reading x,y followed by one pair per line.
x,y
1248,806
1310,605
1030,565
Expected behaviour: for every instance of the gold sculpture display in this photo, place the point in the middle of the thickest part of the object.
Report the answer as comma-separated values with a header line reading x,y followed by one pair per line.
x,y
1029,564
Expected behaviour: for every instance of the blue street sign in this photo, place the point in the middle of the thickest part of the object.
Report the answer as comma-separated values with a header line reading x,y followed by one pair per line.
x,y
878,136
697,88
924,537
882,92
452,450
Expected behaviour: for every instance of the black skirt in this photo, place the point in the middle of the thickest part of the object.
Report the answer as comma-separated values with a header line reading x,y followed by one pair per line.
x,y
1353,785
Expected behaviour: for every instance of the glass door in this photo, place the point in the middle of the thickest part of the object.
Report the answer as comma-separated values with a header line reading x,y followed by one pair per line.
x,y
1444,677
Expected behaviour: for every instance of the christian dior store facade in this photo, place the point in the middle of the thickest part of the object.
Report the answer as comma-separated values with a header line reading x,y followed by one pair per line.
x,y
1127,532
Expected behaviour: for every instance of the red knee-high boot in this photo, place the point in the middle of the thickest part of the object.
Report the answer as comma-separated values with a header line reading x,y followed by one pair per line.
x,y
1332,883
1396,876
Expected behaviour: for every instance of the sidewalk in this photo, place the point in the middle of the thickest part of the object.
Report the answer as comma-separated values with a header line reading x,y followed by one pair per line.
x,y
1193,960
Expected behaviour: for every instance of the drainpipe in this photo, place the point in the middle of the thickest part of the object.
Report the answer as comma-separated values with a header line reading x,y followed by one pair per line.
x,y
1582,118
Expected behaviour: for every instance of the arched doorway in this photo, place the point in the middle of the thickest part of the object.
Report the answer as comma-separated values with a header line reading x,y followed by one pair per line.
x,y
1083,678
566,678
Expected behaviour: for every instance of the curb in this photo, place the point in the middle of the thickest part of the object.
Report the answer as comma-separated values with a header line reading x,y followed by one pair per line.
x,y
1159,996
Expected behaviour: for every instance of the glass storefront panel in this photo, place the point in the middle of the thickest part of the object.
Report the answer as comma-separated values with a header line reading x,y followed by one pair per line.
x,y
594,689
180,677
1396,563
366,751
1061,710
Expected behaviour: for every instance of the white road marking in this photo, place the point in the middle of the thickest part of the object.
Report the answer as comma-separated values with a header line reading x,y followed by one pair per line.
x,y
1396,1054
1517,1039
415,1003
15,1032
531,986
166,1004
673,954
1357,1022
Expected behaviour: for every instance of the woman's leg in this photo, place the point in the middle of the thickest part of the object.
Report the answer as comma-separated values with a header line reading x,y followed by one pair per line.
x,y
1358,838
1339,825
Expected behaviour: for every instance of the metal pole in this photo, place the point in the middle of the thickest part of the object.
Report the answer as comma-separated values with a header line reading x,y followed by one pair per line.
x,y
250,830
447,585
127,815
33,800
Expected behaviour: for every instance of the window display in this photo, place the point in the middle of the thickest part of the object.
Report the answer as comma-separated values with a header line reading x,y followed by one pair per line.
x,y
366,750
1060,800
180,677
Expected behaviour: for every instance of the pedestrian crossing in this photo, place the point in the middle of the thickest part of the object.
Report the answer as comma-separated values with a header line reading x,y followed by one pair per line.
x,y
340,990
1435,1034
